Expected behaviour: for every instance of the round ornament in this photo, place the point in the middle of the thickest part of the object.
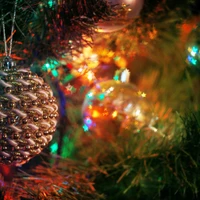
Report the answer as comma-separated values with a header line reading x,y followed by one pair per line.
x,y
132,7
125,11
118,113
28,114
193,48
109,104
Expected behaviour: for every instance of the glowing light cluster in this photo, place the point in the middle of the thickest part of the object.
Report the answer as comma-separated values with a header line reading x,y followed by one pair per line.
x,y
194,55
86,59
51,65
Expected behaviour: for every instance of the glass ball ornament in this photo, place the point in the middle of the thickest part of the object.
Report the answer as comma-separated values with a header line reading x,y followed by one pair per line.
x,y
109,104
117,112
193,48
125,11
28,114
132,7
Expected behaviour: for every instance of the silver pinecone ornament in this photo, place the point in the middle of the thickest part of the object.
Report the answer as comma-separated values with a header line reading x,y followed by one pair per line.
x,y
28,114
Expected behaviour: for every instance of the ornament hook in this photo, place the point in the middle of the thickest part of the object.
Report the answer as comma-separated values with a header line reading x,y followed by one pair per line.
x,y
7,61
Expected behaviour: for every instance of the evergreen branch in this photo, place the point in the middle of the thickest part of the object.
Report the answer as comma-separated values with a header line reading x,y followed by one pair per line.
x,y
68,180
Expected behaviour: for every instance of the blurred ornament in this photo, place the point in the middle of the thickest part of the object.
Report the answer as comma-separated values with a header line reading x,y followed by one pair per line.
x,y
109,104
132,7
28,113
117,112
193,48
124,11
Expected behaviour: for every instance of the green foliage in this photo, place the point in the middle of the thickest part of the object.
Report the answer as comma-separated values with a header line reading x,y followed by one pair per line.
x,y
169,175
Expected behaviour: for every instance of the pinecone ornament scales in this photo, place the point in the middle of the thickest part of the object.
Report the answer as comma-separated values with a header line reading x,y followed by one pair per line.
x,y
28,114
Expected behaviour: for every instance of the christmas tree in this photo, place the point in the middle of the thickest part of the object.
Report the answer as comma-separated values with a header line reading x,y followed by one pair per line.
x,y
99,99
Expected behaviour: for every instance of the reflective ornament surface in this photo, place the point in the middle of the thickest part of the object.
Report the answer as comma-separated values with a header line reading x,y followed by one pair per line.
x,y
124,13
28,114
110,104
118,113
131,7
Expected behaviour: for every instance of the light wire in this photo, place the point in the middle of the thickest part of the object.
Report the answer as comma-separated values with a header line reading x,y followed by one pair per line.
x,y
4,34
12,29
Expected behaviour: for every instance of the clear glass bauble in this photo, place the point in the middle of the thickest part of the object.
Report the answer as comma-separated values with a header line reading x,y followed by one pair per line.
x,y
109,104
125,11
